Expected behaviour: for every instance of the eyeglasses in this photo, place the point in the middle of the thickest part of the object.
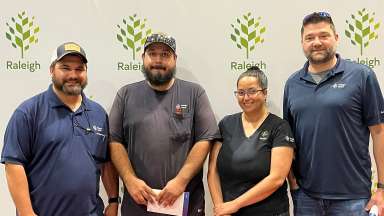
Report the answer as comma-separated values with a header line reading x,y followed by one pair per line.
x,y
321,14
249,92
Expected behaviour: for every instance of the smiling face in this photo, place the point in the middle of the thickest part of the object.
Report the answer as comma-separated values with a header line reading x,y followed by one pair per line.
x,y
69,75
319,42
159,64
250,96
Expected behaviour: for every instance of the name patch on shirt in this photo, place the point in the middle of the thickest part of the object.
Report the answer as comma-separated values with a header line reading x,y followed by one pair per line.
x,y
264,135
338,85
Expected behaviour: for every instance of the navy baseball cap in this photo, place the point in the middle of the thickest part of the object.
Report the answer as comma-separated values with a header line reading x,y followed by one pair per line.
x,y
66,49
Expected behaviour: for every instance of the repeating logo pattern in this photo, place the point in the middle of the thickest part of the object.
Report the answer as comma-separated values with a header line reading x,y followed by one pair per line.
x,y
362,29
22,32
132,34
247,33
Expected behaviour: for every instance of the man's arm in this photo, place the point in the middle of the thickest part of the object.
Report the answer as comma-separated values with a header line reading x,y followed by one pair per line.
x,y
191,167
19,189
288,117
111,184
137,188
377,133
213,176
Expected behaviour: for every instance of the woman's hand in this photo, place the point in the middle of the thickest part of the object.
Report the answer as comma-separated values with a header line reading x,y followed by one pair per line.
x,y
226,208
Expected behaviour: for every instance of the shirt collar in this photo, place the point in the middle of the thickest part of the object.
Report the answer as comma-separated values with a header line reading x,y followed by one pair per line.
x,y
55,102
338,68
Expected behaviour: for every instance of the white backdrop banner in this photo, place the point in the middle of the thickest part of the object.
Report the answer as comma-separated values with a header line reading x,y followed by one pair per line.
x,y
216,41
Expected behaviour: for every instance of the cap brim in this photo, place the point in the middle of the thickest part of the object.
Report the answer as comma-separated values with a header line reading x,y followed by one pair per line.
x,y
150,43
83,58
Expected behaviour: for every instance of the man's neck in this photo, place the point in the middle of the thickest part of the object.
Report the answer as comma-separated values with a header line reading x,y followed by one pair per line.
x,y
72,101
163,87
317,68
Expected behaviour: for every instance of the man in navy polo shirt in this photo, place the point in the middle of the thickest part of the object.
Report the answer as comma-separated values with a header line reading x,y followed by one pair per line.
x,y
333,105
56,146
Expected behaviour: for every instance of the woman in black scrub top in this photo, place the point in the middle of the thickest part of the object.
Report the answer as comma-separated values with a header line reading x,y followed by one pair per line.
x,y
248,167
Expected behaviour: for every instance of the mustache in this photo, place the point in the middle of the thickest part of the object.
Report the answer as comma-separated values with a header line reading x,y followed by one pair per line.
x,y
72,80
161,67
322,49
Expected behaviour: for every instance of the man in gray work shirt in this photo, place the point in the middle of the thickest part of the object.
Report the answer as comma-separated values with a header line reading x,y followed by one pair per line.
x,y
161,130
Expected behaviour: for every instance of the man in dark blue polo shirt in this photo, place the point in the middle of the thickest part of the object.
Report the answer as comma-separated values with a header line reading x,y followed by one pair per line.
x,y
56,146
333,106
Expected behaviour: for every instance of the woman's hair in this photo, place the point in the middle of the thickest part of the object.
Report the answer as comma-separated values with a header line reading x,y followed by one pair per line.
x,y
255,71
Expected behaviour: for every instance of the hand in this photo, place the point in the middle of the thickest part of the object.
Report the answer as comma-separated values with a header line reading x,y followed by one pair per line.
x,y
111,209
214,210
377,199
171,192
294,187
226,208
140,192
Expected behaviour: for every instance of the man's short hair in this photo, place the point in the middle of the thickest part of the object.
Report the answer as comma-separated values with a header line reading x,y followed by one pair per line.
x,y
318,17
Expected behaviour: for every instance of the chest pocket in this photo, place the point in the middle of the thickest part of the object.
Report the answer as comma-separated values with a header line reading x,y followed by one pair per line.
x,y
181,127
96,145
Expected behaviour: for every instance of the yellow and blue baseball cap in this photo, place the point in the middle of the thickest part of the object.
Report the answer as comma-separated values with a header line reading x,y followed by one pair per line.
x,y
66,49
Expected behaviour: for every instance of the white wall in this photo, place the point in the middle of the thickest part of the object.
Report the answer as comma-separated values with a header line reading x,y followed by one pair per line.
x,y
205,51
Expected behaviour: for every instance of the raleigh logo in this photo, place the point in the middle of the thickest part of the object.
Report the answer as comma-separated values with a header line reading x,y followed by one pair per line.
x,y
132,35
22,33
362,29
247,33
25,34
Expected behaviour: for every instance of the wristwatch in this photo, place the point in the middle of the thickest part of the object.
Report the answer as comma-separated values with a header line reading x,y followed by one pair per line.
x,y
114,200
380,185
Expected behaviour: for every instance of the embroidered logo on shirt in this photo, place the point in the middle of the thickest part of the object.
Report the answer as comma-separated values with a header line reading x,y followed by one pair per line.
x,y
264,135
338,85
97,129
180,109
289,139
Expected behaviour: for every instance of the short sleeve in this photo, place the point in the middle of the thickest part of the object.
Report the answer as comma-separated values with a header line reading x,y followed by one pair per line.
x,y
222,130
373,105
286,110
205,124
116,116
282,135
106,142
17,140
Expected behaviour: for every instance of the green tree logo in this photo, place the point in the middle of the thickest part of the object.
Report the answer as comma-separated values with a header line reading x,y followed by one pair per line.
x,y
132,34
22,32
361,29
247,33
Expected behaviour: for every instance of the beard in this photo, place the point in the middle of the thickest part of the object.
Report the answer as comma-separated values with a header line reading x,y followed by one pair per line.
x,y
70,89
156,78
326,55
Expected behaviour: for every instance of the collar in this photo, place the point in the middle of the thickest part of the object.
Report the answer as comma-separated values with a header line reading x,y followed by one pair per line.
x,y
55,102
337,69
